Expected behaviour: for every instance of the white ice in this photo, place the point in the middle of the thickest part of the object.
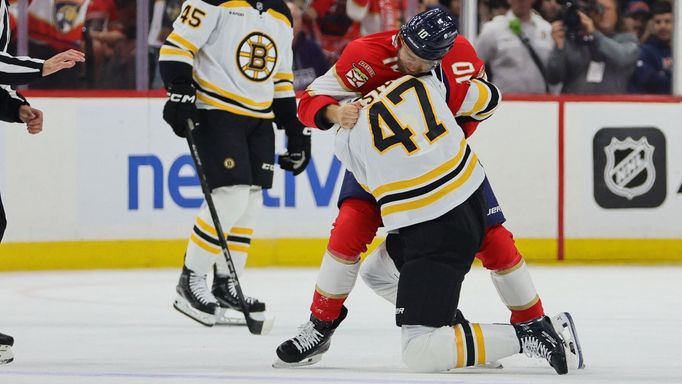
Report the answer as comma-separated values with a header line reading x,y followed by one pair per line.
x,y
119,327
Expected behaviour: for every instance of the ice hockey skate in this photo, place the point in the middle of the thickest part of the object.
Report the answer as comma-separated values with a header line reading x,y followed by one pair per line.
x,y
6,354
194,298
564,326
313,340
230,311
538,339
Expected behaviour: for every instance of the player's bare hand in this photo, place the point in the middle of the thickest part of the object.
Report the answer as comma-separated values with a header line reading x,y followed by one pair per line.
x,y
32,117
66,59
559,34
348,115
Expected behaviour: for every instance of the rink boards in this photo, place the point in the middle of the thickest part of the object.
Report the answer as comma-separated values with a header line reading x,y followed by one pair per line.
x,y
107,185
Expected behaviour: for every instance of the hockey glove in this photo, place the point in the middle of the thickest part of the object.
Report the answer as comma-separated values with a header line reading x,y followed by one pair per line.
x,y
298,150
180,107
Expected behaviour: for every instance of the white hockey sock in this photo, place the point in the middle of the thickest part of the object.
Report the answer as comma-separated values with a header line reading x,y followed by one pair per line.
x,y
337,276
203,245
378,271
239,239
515,287
429,349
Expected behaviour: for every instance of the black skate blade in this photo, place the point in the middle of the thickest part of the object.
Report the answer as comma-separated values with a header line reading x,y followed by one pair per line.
x,y
310,360
579,350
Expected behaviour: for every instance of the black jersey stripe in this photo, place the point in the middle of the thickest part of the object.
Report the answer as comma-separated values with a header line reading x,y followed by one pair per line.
x,y
429,187
494,98
4,34
239,239
230,101
469,337
208,238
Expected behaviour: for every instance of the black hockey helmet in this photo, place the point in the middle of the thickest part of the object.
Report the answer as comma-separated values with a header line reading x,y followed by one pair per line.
x,y
430,34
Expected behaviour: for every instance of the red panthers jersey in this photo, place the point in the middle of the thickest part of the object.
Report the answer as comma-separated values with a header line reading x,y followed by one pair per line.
x,y
370,61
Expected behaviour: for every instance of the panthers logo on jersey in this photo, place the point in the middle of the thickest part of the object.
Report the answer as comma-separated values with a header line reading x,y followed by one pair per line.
x,y
257,56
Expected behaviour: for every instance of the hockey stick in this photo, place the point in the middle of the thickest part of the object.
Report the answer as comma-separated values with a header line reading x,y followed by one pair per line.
x,y
256,327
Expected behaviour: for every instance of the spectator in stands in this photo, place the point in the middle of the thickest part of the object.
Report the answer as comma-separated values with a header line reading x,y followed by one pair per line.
x,y
334,26
488,9
636,18
653,73
596,58
309,61
104,34
374,15
549,9
516,47
163,14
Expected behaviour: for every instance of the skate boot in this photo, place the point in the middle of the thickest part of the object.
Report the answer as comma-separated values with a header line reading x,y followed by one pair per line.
x,y
564,326
225,292
194,299
538,339
6,343
313,340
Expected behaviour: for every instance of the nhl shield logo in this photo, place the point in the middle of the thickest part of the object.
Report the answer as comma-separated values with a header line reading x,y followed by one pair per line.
x,y
629,170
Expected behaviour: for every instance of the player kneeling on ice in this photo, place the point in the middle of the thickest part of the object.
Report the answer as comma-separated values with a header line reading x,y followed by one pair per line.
x,y
409,153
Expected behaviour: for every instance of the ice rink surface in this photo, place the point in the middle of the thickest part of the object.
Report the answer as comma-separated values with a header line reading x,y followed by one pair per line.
x,y
119,327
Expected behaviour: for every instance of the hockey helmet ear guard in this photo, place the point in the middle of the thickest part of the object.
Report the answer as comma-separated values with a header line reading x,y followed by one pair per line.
x,y
430,34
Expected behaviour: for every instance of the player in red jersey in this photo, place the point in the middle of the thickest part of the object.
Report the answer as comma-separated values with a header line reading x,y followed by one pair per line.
x,y
364,65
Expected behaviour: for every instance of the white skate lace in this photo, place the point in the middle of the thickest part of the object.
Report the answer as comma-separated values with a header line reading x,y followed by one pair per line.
x,y
307,337
532,347
233,292
199,288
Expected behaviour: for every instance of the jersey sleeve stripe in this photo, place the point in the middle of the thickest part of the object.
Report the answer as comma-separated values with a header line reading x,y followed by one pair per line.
x,y
284,87
423,179
284,76
244,101
340,80
235,4
439,194
279,16
166,50
182,42
494,98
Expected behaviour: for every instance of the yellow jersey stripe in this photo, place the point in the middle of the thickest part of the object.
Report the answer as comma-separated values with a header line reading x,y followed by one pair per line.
x,y
480,343
196,240
284,76
230,108
279,16
235,4
439,194
427,177
174,37
284,87
482,101
241,99
238,248
166,50
207,228
241,231
459,342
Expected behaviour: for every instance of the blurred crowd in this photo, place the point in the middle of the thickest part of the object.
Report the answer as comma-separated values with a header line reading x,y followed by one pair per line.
x,y
530,46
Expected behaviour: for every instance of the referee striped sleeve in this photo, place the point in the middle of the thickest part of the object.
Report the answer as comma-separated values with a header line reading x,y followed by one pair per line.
x,y
15,70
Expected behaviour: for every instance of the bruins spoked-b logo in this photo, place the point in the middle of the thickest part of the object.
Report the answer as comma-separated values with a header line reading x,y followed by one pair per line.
x,y
629,167
257,56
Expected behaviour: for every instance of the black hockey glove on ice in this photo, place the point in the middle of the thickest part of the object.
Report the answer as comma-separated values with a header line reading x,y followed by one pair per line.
x,y
298,149
180,107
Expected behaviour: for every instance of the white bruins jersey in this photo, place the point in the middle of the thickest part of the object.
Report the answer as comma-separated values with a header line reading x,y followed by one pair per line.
x,y
241,52
408,151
